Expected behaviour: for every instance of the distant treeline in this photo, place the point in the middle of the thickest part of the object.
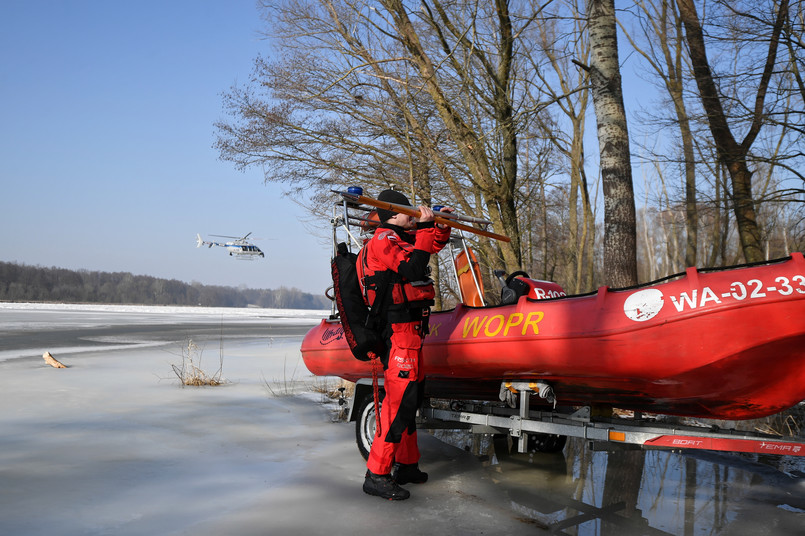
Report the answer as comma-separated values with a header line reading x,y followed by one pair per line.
x,y
23,283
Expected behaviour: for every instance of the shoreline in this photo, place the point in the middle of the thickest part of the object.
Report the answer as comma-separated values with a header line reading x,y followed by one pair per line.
x,y
255,312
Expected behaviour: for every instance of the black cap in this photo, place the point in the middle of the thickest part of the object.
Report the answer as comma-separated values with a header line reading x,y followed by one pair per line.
x,y
391,196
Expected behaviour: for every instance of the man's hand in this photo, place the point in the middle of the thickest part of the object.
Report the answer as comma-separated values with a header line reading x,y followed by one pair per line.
x,y
425,214
448,210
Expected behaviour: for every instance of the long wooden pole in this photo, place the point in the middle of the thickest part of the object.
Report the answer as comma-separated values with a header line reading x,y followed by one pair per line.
x,y
411,211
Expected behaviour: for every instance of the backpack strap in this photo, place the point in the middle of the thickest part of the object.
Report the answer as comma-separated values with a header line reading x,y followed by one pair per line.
x,y
382,284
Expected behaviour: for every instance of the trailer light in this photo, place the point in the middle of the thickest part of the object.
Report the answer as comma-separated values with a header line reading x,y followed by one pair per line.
x,y
617,436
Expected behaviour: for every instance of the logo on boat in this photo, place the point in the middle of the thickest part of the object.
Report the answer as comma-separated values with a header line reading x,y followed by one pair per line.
x,y
492,326
643,305
331,335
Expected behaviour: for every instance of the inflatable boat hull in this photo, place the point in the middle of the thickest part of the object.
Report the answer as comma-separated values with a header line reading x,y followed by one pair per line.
x,y
727,344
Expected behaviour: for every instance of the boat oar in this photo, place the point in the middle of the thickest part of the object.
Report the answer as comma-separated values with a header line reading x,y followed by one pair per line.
x,y
410,211
459,217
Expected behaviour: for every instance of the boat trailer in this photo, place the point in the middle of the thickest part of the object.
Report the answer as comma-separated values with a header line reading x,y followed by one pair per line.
x,y
547,431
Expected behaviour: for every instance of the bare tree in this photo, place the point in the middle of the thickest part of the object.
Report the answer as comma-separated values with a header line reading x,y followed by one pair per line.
x,y
474,104
731,152
560,41
423,100
620,249
662,29
499,194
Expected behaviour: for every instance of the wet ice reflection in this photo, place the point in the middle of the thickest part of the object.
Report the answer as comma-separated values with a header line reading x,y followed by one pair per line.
x,y
581,491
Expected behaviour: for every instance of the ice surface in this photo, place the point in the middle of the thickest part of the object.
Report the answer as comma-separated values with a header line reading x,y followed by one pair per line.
x,y
26,329
113,445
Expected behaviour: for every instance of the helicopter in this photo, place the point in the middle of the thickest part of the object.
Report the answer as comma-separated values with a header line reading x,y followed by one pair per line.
x,y
239,248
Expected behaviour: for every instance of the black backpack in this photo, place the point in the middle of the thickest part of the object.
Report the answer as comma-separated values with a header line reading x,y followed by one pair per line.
x,y
363,326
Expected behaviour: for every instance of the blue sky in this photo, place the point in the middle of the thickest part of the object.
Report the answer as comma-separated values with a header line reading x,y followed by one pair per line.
x,y
106,134
106,131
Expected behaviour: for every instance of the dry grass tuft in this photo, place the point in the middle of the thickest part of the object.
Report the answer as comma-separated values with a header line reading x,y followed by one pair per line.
x,y
329,387
287,386
191,373
334,391
786,424
331,390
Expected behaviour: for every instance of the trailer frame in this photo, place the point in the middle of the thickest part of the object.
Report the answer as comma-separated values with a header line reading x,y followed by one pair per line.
x,y
520,422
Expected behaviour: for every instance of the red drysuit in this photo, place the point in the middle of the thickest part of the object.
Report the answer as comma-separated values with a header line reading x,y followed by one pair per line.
x,y
406,256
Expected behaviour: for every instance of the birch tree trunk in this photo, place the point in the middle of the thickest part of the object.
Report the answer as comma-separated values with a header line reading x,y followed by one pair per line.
x,y
620,244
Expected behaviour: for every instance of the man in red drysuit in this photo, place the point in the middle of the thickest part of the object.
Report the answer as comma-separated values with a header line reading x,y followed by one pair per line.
x,y
394,263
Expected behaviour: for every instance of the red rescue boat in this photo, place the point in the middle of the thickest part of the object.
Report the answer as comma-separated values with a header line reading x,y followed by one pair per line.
x,y
719,344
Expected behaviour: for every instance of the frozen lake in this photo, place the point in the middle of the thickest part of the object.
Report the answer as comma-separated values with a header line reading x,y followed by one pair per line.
x,y
113,445
28,330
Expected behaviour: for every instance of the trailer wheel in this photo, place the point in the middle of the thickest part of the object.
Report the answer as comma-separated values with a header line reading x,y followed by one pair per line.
x,y
546,442
365,425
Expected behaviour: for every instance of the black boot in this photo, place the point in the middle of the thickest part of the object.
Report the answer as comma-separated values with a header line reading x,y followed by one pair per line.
x,y
409,473
383,486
